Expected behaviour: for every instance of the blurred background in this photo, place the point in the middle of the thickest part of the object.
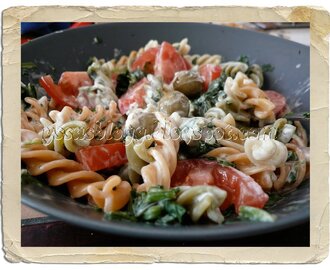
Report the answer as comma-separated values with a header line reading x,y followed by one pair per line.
x,y
298,32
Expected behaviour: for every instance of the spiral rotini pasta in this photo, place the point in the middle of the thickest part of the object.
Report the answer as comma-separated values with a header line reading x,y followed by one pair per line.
x,y
292,173
108,67
232,68
69,130
111,194
70,136
157,163
159,171
231,136
300,138
202,200
59,170
243,94
256,74
203,59
254,71
137,155
29,137
182,47
265,151
30,119
125,62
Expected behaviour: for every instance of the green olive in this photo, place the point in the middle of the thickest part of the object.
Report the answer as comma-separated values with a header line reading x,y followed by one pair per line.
x,y
174,102
140,123
189,83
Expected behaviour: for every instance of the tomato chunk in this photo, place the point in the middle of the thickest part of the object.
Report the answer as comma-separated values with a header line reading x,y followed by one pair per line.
x,y
168,62
99,157
188,66
278,100
146,60
70,81
134,94
55,92
241,188
209,73
80,24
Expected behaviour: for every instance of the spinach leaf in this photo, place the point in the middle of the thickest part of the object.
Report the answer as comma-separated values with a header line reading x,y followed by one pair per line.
x,y
173,209
120,215
222,162
226,163
27,91
156,194
27,179
156,206
152,213
28,65
307,115
165,220
127,79
292,156
210,97
198,149
292,176
267,68
244,59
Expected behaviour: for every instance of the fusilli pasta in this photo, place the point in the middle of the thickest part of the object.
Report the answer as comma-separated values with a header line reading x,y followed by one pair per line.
x,y
157,163
70,130
202,200
110,195
59,170
30,119
232,68
243,94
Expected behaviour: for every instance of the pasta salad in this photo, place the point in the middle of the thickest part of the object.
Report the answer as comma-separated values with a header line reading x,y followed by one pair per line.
x,y
164,136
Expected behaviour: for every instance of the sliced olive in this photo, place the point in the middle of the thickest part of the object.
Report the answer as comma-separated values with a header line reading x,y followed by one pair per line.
x,y
174,102
140,123
189,83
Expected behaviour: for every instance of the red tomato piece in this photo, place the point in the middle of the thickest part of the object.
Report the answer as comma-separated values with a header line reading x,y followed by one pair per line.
x,y
146,60
168,62
70,81
278,100
25,39
241,188
80,24
209,72
55,92
188,66
136,93
99,157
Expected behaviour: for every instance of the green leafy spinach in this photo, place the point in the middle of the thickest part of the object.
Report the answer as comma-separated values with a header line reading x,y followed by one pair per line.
x,y
127,79
210,97
156,206
27,91
255,214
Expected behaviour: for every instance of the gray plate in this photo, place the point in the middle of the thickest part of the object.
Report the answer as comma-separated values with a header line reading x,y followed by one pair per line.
x,y
71,49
